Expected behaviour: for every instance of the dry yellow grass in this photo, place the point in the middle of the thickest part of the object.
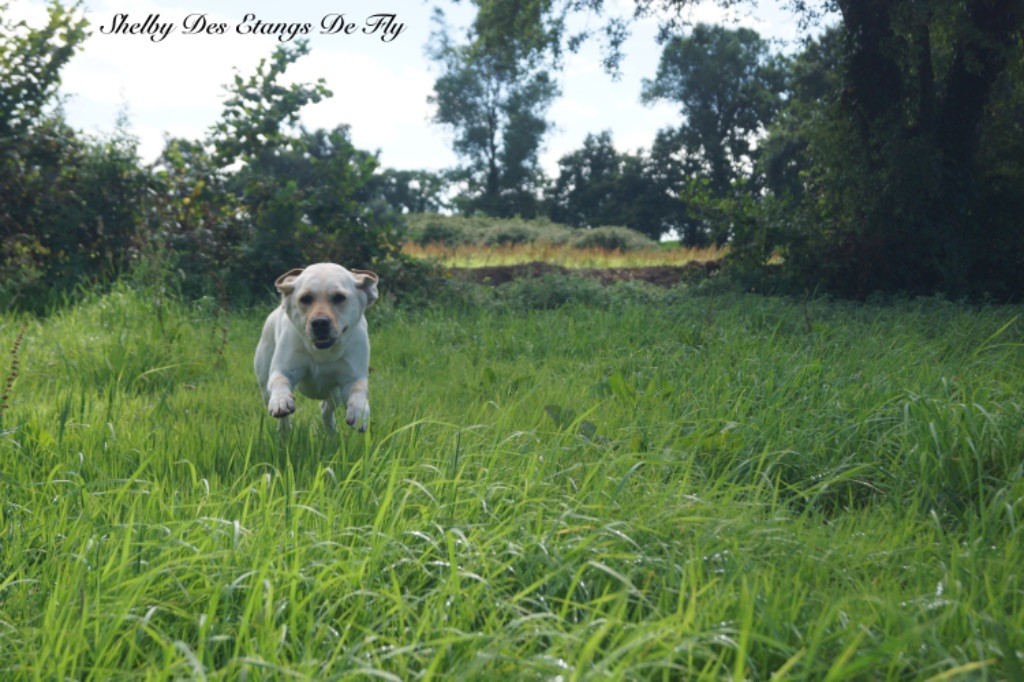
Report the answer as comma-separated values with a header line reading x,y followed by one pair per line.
x,y
475,256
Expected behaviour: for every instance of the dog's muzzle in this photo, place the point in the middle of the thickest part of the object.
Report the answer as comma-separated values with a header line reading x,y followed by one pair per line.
x,y
321,329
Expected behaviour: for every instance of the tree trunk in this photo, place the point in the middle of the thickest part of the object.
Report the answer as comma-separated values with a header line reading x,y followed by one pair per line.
x,y
939,122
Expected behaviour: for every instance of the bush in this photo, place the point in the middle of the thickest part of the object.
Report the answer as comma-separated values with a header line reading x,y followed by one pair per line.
x,y
444,232
455,231
612,238
263,202
516,232
71,211
510,234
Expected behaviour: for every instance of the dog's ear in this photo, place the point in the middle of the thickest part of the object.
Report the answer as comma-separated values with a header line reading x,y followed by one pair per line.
x,y
366,281
286,282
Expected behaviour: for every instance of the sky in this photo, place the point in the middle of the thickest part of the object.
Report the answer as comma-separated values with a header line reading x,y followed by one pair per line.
x,y
173,84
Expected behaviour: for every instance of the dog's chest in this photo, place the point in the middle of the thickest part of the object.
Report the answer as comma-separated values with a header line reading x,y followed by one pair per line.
x,y
322,380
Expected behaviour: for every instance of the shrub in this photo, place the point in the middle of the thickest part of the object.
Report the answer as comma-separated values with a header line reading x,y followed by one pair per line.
x,y
553,233
612,238
510,233
457,230
263,202
71,211
444,232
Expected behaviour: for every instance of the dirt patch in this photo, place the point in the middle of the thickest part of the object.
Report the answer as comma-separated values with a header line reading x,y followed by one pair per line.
x,y
661,275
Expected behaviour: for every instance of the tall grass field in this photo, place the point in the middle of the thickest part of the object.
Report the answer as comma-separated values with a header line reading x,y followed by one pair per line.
x,y
635,484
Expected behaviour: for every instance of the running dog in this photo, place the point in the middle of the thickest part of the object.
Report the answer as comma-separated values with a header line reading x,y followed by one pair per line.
x,y
316,341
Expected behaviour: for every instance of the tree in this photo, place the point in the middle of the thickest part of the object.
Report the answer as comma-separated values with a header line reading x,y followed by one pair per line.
x,y
412,191
31,60
324,197
242,221
900,168
263,195
193,220
597,185
307,195
919,79
728,86
813,81
583,193
493,94
70,205
260,111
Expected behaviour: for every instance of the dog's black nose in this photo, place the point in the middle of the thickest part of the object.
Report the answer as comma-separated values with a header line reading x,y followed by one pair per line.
x,y
321,326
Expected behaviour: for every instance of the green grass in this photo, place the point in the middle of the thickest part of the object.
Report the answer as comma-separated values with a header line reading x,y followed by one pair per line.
x,y
651,486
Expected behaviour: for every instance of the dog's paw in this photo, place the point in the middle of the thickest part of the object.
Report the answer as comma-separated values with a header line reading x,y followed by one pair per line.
x,y
358,413
281,406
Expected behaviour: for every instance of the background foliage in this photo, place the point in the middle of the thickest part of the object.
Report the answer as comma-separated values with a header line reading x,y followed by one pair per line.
x,y
885,155
228,213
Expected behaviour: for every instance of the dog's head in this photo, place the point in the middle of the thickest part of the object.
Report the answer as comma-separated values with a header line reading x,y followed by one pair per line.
x,y
325,300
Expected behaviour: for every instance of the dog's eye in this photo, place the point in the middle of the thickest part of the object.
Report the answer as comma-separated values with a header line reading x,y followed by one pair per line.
x,y
306,299
338,299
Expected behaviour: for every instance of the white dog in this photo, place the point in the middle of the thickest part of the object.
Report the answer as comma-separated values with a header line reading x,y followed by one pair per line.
x,y
316,341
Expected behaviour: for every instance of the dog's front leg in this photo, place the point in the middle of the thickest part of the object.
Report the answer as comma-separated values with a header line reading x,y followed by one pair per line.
x,y
280,401
358,404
